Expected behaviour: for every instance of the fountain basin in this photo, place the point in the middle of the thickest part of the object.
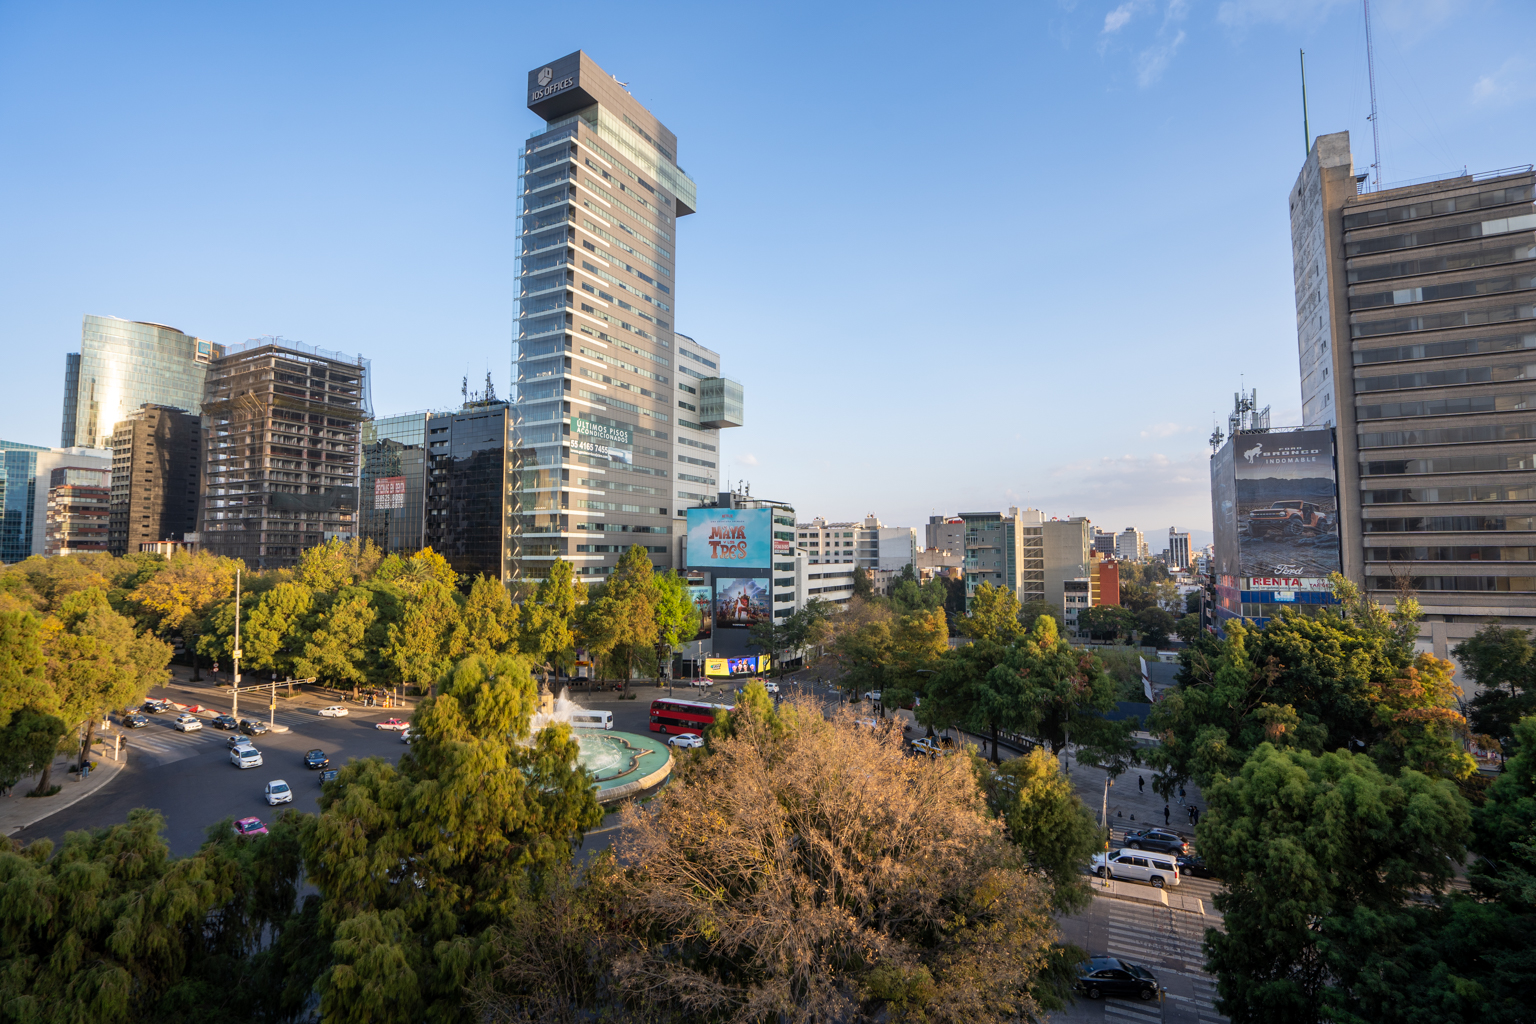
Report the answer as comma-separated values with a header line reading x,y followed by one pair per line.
x,y
622,763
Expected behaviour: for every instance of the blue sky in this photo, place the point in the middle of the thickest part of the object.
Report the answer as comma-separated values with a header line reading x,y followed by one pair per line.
x,y
961,257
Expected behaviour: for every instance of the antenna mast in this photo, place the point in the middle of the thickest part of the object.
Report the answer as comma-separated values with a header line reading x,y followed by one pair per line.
x,y
1370,67
1306,131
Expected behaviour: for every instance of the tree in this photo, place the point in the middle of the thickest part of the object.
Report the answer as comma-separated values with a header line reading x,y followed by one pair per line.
x,y
993,615
1155,624
327,568
183,595
420,569
1106,623
1029,611
488,623
816,873
418,647
620,622
417,865
335,650
1048,823
1310,845
1502,661
545,624
862,588
909,596
28,743
273,633
677,618
810,627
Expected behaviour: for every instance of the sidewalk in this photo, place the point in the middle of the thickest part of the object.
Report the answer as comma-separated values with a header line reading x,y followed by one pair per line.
x,y
18,811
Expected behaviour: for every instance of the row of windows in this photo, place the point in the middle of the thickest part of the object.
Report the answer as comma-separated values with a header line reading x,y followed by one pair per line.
x,y
595,187
608,506
1451,524
617,282
1471,492
621,528
619,465
614,260
642,314
1482,256
1437,207
616,322
604,216
603,549
1432,236
1448,435
690,442
603,378
1446,378
1441,321
1482,553
615,240
1498,584
1439,292
622,365
1445,349
619,403
600,151
694,497
1446,407
695,479
698,358
1449,464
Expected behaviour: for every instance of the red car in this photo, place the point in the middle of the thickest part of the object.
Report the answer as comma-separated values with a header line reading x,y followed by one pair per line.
x,y
250,827
393,723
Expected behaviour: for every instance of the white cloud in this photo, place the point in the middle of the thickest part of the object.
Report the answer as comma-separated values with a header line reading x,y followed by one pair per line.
x,y
1154,60
1130,489
1166,430
1116,19
746,460
1510,82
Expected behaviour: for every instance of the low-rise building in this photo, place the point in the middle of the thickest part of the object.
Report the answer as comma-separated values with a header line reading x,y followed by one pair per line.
x,y
79,511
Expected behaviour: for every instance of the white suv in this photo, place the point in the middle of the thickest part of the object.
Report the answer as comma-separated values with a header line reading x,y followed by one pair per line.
x,y
1139,865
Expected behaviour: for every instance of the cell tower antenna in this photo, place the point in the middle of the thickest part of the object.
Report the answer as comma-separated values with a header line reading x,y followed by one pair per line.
x,y
1306,130
1370,68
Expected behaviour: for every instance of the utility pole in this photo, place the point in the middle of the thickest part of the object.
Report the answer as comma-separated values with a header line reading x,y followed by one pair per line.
x,y
235,707
1104,820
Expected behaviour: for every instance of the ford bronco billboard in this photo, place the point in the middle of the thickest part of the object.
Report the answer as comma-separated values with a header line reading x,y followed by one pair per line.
x,y
1275,498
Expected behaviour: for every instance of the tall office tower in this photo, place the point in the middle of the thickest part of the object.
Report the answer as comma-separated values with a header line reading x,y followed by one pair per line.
x,y
1416,315
471,468
1006,551
124,364
607,396
155,477
18,496
1178,549
393,498
282,423
1066,555
79,511
1130,544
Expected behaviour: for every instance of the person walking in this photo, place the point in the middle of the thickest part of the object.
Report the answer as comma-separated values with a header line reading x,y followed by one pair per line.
x,y
1191,814
1167,815
1194,813
1141,784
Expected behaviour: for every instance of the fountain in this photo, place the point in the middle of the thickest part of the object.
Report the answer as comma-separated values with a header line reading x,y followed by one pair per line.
x,y
621,763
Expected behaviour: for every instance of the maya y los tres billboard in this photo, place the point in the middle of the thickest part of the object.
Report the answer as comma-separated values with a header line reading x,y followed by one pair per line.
x,y
730,538
741,602
1285,507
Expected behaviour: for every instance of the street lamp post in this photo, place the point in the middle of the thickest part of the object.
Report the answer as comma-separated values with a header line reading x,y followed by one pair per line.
x,y
235,691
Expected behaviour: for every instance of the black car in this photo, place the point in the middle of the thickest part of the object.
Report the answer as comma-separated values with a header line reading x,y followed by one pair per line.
x,y
1156,839
134,721
253,727
328,775
224,722
154,707
1194,865
316,759
1102,976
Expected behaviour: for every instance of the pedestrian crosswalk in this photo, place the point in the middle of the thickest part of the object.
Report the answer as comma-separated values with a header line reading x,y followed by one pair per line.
x,y
1168,943
164,745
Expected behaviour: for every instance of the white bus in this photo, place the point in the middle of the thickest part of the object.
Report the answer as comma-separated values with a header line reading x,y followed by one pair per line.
x,y
585,719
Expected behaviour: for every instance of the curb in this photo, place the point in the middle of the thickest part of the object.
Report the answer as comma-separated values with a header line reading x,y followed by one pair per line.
x,y
1161,899
51,809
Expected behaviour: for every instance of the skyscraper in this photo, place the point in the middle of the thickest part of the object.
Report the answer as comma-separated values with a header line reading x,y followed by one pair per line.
x,y
608,396
18,496
1416,317
155,478
122,365
393,497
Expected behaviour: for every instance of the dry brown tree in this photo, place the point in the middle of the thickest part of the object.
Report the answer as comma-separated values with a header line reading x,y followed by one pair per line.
x,y
807,870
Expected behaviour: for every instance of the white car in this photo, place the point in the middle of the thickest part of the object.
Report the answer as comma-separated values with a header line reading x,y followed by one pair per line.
x,y
278,793
245,757
334,711
405,735
701,683
1160,869
189,723
771,686
686,739
873,695
398,725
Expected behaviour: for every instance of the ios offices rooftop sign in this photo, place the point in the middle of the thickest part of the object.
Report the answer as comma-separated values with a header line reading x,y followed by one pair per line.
x,y
548,86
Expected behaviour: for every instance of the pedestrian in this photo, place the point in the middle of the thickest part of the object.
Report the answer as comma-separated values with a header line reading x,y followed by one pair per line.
x,y
1194,813
1141,784
1191,814
1167,815
1181,792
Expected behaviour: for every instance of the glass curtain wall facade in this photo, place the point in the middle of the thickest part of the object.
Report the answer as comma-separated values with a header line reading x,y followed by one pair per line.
x,y
18,494
471,468
124,364
393,496
595,356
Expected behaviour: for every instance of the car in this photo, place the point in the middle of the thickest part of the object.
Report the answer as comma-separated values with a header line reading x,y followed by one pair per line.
x,y
250,827
928,746
334,711
225,722
771,686
873,695
277,792
239,741
1102,976
405,735
245,757
393,723
134,721
1138,866
1159,839
188,723
1291,518
154,707
867,723
1195,867
686,739
328,775
701,683
316,758
253,726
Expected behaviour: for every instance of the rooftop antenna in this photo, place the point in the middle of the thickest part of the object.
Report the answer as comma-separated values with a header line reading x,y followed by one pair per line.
x,y
1370,67
1306,131
464,389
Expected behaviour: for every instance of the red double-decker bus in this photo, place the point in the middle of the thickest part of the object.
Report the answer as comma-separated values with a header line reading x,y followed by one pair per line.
x,y
673,715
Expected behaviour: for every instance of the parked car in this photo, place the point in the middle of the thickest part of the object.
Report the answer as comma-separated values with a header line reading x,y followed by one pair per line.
x,y
245,757
316,759
334,711
867,723
250,827
686,739
1102,976
929,746
1138,866
405,735
1195,867
1157,839
188,723
253,726
873,695
134,721
393,723
225,722
277,792
328,775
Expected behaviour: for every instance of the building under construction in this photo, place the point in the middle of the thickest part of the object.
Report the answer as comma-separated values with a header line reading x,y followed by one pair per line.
x,y
282,424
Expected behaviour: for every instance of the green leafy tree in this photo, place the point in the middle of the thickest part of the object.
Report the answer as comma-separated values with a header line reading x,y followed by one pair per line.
x,y
274,632
993,615
810,627
28,743
1029,611
1048,822
181,597
677,618
418,865
1310,846
335,651
1106,623
418,647
620,621
1155,624
546,623
909,596
862,588
1502,661
488,624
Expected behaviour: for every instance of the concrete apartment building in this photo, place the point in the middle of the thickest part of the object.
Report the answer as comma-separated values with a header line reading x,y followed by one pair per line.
x,y
156,474
1068,546
1006,551
79,511
617,416
1130,545
869,544
281,450
1416,315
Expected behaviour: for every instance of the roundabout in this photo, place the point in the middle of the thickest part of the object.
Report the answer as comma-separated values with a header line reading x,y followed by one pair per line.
x,y
622,763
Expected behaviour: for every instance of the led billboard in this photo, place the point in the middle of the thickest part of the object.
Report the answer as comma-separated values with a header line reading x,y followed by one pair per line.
x,y
730,538
1283,518
740,603
702,601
